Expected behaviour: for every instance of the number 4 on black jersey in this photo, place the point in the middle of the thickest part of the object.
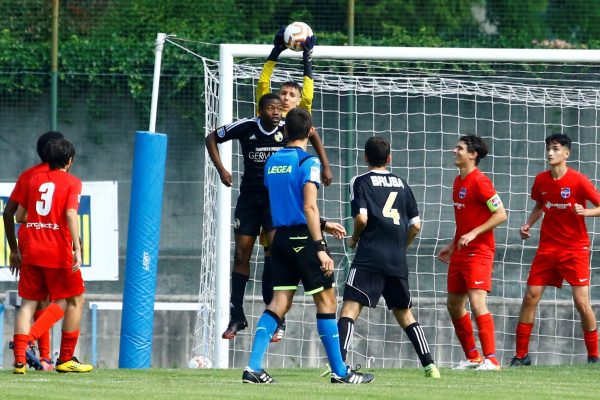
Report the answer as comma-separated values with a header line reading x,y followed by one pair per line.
x,y
390,206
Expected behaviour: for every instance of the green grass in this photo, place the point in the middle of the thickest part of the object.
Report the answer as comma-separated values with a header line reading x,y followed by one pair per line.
x,y
564,382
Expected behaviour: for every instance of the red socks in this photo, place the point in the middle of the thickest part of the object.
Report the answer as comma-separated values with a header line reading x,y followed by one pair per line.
x,y
67,345
485,325
464,331
591,342
44,339
522,340
51,315
20,343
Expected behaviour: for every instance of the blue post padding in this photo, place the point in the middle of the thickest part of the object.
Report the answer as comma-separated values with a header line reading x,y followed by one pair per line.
x,y
142,249
1,333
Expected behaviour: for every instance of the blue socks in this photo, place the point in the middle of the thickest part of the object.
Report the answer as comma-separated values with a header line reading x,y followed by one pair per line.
x,y
264,331
328,332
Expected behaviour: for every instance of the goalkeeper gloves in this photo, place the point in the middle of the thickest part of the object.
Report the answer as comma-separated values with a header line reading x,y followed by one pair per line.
x,y
278,45
307,47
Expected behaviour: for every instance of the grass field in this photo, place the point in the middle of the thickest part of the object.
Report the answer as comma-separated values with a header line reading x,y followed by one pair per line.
x,y
564,382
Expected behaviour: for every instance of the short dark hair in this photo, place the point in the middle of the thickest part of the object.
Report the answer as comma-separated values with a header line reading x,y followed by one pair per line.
x,y
43,141
59,153
559,138
475,144
267,98
298,123
291,84
377,151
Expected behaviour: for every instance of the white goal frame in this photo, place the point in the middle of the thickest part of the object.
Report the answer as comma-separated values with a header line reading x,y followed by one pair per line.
x,y
228,53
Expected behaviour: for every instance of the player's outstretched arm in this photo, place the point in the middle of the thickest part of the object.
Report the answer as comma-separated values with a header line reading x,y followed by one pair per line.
x,y
446,253
8,216
213,152
21,215
308,85
535,214
263,86
360,223
73,224
311,213
333,228
317,144
498,217
587,212
413,231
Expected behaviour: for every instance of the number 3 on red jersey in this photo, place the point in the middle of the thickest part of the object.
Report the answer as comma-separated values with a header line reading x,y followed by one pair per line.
x,y
43,206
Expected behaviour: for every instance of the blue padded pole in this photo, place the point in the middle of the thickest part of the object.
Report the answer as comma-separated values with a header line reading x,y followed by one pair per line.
x,y
142,249
1,333
94,335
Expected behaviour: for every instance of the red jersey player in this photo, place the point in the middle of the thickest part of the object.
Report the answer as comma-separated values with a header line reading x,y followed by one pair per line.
x,y
51,257
560,194
478,210
15,258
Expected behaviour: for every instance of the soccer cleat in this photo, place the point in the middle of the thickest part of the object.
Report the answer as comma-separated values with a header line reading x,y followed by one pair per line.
x,y
30,356
487,365
260,376
593,360
233,328
520,362
73,365
20,369
47,364
469,363
431,371
279,332
353,377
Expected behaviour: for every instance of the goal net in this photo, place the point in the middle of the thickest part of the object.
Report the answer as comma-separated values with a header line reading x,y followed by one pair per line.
x,y
422,107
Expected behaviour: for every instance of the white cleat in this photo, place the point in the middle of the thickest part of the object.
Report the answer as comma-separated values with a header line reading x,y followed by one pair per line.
x,y
468,364
487,365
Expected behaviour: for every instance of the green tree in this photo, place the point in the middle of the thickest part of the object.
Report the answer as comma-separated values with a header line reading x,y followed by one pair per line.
x,y
518,22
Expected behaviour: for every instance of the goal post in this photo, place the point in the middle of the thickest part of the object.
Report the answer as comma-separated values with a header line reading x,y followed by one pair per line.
x,y
421,137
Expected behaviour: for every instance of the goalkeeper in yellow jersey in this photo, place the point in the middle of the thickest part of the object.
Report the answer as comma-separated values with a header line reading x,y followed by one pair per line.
x,y
292,96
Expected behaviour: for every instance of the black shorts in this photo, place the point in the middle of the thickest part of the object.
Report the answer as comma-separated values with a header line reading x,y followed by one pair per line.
x,y
294,259
252,212
366,288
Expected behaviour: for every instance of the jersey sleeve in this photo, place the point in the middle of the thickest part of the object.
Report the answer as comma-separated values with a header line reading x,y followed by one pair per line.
x,y
311,171
590,191
358,201
19,191
231,131
412,210
73,195
488,194
308,94
263,85
536,195
23,196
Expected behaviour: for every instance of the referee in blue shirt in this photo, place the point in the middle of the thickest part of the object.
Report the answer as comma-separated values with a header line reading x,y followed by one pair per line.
x,y
299,252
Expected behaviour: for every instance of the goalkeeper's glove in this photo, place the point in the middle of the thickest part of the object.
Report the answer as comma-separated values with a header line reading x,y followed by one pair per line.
x,y
278,45
307,47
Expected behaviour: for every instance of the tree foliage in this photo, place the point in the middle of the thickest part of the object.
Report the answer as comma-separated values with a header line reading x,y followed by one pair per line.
x,y
100,39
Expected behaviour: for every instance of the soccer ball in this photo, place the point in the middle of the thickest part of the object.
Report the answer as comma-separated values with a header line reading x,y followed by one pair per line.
x,y
295,34
200,362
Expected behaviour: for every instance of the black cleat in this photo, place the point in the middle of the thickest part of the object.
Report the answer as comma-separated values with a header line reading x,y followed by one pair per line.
x,y
260,376
353,377
32,360
593,360
233,328
520,362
